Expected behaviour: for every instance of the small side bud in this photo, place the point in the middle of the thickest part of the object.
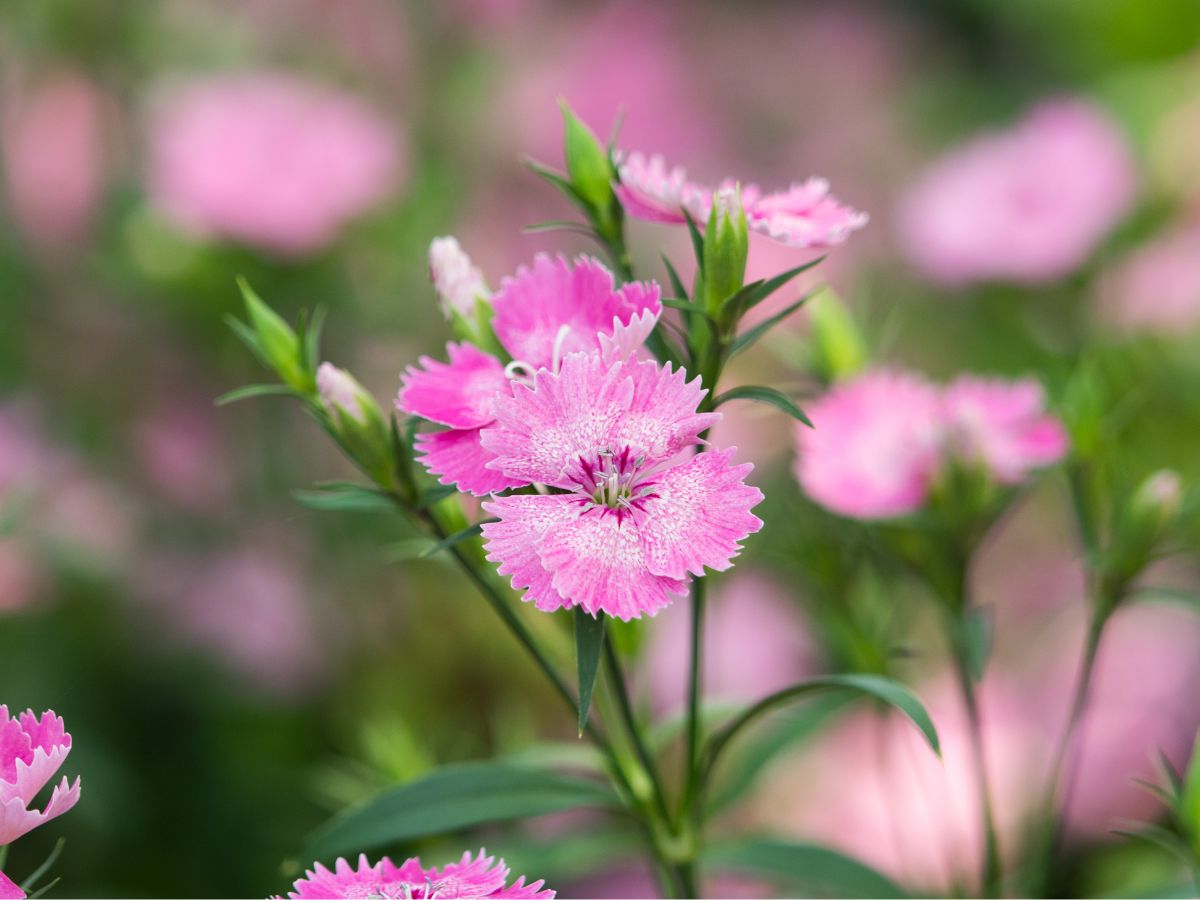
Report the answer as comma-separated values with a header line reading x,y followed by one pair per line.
x,y
726,247
589,167
1157,503
839,350
458,281
278,344
357,420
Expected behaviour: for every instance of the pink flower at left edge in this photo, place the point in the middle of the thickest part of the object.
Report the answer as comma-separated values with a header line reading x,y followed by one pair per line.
x,y
803,215
8,890
542,314
480,876
31,750
637,515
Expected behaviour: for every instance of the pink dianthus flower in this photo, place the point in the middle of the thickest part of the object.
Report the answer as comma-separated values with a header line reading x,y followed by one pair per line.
x,y
634,514
542,314
481,876
803,215
1027,205
31,751
270,160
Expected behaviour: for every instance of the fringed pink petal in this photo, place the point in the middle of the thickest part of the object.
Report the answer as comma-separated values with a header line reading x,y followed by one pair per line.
x,y
651,191
458,394
597,560
481,876
627,339
17,819
519,890
457,458
10,891
804,215
512,542
697,515
540,431
319,883
555,307
662,417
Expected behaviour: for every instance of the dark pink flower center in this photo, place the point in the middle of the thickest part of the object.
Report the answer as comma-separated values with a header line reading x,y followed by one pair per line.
x,y
614,481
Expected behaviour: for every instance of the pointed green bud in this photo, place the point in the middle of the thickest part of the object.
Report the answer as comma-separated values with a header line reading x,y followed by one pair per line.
x,y
839,350
357,421
588,165
277,342
1155,507
726,246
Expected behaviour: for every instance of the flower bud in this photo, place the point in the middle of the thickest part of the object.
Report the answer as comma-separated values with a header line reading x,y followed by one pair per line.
x,y
839,350
726,246
356,420
277,343
590,169
458,282
1156,505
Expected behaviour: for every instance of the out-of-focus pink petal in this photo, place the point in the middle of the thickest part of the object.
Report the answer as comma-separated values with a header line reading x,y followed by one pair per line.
x,y
804,215
598,561
697,515
9,890
457,457
875,446
460,393
650,191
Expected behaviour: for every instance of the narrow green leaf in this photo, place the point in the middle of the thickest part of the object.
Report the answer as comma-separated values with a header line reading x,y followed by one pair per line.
x,y
979,628
435,495
255,390
457,538
676,282
763,394
557,225
748,338
44,890
1159,837
346,497
1169,595
759,291
31,882
310,338
558,181
453,798
247,336
883,689
589,640
809,869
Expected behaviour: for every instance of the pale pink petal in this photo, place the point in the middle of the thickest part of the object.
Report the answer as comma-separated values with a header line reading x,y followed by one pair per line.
x,y
555,307
540,431
479,876
459,393
457,457
320,883
804,215
627,339
662,417
875,447
650,191
598,561
17,819
10,891
697,515
30,777
512,541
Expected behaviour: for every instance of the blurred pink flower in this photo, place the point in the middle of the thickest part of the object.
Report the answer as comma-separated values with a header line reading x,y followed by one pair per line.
x,y
31,750
8,890
481,876
1028,204
458,282
873,789
541,314
248,609
1156,287
748,610
19,575
269,159
803,215
54,157
635,518
180,449
1002,425
875,445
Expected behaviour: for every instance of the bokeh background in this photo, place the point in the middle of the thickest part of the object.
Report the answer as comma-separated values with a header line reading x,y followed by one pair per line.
x,y
235,666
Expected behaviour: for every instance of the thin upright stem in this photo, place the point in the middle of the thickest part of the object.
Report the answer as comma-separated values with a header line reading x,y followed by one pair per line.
x,y
695,690
990,878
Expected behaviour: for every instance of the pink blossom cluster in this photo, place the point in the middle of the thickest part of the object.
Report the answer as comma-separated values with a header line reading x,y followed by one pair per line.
x,y
1026,205
802,215
624,512
32,749
479,876
269,160
880,441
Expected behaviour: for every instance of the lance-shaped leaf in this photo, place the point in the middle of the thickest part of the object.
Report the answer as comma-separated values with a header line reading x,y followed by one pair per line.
x,y
768,395
750,337
453,798
347,497
589,641
806,869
